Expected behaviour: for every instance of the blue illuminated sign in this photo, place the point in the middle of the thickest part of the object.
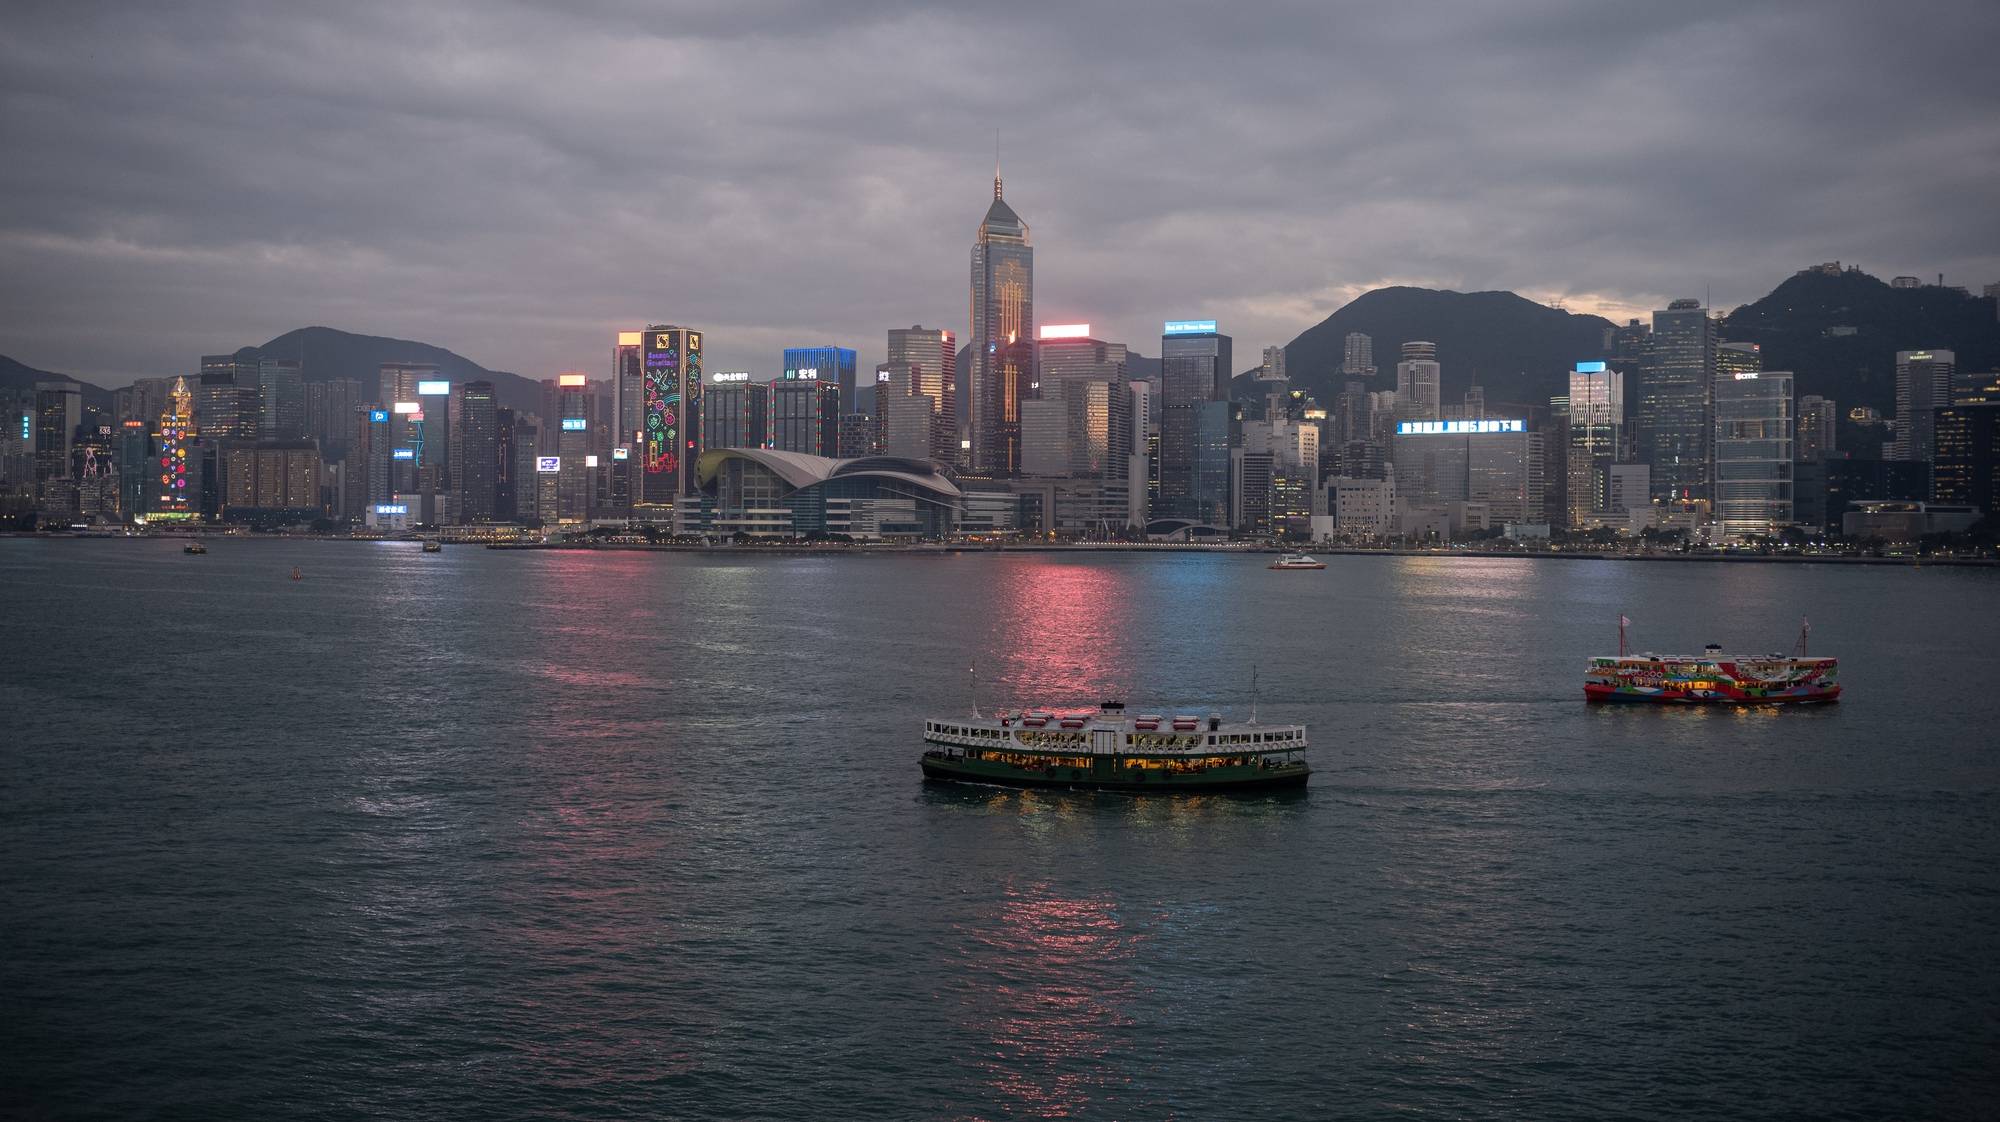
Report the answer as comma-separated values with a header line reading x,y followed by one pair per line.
x,y
1457,428
1589,367
573,424
404,454
27,426
379,416
392,508
1189,327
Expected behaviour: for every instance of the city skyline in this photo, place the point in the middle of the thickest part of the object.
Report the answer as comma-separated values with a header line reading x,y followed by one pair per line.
x,y
1402,185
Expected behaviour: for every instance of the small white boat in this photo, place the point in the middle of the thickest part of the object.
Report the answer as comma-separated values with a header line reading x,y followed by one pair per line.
x,y
1296,561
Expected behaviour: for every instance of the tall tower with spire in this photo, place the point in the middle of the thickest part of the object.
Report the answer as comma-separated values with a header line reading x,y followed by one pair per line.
x,y
1003,335
175,496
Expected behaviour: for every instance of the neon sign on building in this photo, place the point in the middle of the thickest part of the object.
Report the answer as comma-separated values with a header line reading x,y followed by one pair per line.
x,y
1457,428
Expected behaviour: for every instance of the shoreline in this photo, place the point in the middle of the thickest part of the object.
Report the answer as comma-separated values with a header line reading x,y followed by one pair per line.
x,y
948,548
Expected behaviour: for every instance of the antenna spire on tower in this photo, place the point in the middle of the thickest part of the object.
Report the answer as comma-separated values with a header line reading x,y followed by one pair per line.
x,y
996,163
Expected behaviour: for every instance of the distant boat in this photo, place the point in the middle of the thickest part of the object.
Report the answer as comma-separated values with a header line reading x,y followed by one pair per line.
x,y
194,547
1296,561
296,575
431,546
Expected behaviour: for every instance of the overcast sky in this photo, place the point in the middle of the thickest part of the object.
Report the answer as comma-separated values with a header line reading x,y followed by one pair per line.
x,y
518,181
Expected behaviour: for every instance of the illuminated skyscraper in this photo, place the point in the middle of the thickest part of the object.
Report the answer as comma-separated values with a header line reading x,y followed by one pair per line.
x,y
823,364
1003,336
229,400
1676,389
1754,428
173,492
1195,368
572,444
1923,386
281,400
670,414
932,356
1596,438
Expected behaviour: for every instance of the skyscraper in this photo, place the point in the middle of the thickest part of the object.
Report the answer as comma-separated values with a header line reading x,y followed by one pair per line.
x,y
1003,336
281,399
229,400
1596,437
1676,388
670,415
475,451
932,356
1195,368
1419,383
1923,385
572,445
1817,419
173,494
1358,360
805,417
1754,429
825,364
58,411
736,413
628,386
1965,467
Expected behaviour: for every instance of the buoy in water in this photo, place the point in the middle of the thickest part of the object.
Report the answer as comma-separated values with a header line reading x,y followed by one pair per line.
x,y
296,575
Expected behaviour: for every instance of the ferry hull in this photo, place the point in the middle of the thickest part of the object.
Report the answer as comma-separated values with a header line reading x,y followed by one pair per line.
x,y
1594,692
1111,775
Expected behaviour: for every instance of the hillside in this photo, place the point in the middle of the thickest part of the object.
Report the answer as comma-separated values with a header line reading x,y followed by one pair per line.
x,y
19,375
1516,349
1804,326
326,353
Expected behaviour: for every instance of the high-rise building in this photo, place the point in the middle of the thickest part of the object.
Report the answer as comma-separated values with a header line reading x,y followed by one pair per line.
x,y
229,401
1195,369
906,423
1419,383
572,446
370,459
1596,407
1627,345
1676,388
58,412
1358,356
628,387
805,417
143,401
1817,424
736,413
1273,368
270,476
1965,467
1923,383
1069,353
172,491
1754,457
932,357
1003,336
857,435
824,364
1496,461
330,409
475,451
671,414
281,399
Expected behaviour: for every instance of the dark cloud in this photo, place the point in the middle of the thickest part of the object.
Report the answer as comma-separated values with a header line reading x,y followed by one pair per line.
x,y
518,181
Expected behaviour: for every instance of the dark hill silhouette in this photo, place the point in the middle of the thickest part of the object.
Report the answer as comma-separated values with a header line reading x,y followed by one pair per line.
x,y
326,353
19,375
1803,326
1514,348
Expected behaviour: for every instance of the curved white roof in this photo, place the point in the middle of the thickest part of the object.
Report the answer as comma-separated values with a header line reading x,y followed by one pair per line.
x,y
801,469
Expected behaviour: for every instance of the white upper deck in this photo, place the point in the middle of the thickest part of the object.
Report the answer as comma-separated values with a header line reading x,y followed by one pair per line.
x,y
1112,729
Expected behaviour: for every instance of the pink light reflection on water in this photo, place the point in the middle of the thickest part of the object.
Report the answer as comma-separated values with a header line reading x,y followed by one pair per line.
x,y
1060,633
1048,983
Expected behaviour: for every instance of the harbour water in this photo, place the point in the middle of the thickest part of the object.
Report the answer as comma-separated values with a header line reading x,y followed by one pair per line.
x,y
572,835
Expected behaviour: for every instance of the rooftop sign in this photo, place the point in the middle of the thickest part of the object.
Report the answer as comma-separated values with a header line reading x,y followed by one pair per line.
x,y
1189,327
1065,331
1457,428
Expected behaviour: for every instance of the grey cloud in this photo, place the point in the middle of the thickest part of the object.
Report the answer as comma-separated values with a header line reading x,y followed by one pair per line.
x,y
516,181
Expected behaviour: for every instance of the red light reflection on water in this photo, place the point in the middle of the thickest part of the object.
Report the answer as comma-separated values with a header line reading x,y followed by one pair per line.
x,y
1060,633
1048,983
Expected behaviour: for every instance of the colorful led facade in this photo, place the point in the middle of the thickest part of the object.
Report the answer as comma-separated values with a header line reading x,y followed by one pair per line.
x,y
671,416
172,497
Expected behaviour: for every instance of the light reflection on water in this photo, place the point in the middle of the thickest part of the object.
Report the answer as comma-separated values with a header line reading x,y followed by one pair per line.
x,y
574,835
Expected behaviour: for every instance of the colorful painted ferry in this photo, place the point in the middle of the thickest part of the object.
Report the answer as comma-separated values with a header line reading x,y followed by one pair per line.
x,y
1713,679
1109,750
